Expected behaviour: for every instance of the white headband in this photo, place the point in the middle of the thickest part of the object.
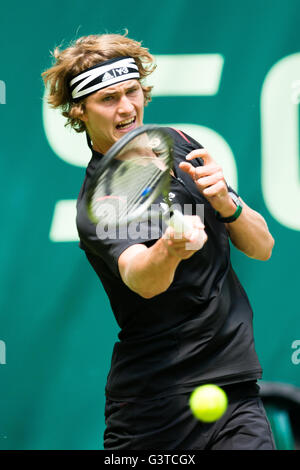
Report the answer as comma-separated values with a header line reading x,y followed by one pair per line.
x,y
103,75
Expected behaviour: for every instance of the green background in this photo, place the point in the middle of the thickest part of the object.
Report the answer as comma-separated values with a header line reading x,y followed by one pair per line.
x,y
55,320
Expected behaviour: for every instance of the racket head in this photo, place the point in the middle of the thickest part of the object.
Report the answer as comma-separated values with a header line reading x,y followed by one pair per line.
x,y
131,176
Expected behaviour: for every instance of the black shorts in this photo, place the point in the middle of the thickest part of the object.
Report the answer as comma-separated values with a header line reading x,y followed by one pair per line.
x,y
168,424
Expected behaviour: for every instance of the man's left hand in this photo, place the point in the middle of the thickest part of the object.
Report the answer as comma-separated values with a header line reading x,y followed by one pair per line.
x,y
210,181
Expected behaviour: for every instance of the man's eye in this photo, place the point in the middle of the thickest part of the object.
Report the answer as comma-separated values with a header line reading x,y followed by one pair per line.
x,y
107,98
132,90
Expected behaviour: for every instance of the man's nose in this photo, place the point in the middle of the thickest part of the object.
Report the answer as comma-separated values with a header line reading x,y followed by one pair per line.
x,y
125,105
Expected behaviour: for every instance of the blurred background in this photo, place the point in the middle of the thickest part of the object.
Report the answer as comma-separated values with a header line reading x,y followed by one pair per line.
x,y
228,74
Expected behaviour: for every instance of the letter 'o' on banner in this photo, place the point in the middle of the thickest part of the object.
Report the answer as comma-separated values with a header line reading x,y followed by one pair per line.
x,y
280,99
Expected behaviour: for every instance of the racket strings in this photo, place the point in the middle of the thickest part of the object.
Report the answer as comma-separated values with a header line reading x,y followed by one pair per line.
x,y
113,193
160,165
126,176
139,195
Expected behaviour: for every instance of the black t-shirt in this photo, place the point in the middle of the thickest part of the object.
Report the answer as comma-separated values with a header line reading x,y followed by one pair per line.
x,y
199,330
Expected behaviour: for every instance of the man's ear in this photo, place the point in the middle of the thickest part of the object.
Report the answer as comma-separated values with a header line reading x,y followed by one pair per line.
x,y
82,113
78,111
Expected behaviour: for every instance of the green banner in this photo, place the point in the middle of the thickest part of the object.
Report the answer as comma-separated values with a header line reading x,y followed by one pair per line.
x,y
229,74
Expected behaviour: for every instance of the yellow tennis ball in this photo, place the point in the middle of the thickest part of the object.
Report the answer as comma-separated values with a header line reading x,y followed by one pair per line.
x,y
208,403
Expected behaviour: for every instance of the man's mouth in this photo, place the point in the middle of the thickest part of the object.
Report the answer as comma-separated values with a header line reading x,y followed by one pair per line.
x,y
126,124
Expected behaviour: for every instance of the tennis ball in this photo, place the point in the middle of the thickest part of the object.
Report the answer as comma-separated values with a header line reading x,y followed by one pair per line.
x,y
208,403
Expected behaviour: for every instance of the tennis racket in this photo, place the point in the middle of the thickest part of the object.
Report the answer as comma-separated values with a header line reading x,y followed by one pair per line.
x,y
134,172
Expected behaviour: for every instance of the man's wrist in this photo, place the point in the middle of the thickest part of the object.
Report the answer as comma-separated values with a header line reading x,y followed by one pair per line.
x,y
229,210
231,214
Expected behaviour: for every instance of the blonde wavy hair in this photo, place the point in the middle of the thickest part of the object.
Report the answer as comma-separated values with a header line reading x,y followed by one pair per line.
x,y
82,54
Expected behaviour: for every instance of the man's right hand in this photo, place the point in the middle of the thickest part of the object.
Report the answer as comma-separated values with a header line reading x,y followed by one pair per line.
x,y
186,244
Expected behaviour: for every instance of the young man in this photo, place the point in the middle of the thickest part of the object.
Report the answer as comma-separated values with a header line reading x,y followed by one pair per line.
x,y
185,319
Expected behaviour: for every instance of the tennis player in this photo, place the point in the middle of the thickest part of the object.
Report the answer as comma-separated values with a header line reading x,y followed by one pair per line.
x,y
185,319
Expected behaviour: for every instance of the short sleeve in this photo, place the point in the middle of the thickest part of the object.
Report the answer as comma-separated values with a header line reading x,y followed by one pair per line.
x,y
109,243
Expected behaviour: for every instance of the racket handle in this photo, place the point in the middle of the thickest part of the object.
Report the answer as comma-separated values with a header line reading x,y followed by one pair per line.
x,y
179,223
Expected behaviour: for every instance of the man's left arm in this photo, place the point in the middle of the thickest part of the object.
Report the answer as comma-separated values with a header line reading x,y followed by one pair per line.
x,y
249,232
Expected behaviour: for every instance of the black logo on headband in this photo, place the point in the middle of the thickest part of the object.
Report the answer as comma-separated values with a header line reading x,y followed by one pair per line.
x,y
114,73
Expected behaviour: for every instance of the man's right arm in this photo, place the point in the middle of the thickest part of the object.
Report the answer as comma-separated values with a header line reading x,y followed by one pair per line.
x,y
150,271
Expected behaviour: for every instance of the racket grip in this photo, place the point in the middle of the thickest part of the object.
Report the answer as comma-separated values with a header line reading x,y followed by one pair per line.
x,y
179,223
